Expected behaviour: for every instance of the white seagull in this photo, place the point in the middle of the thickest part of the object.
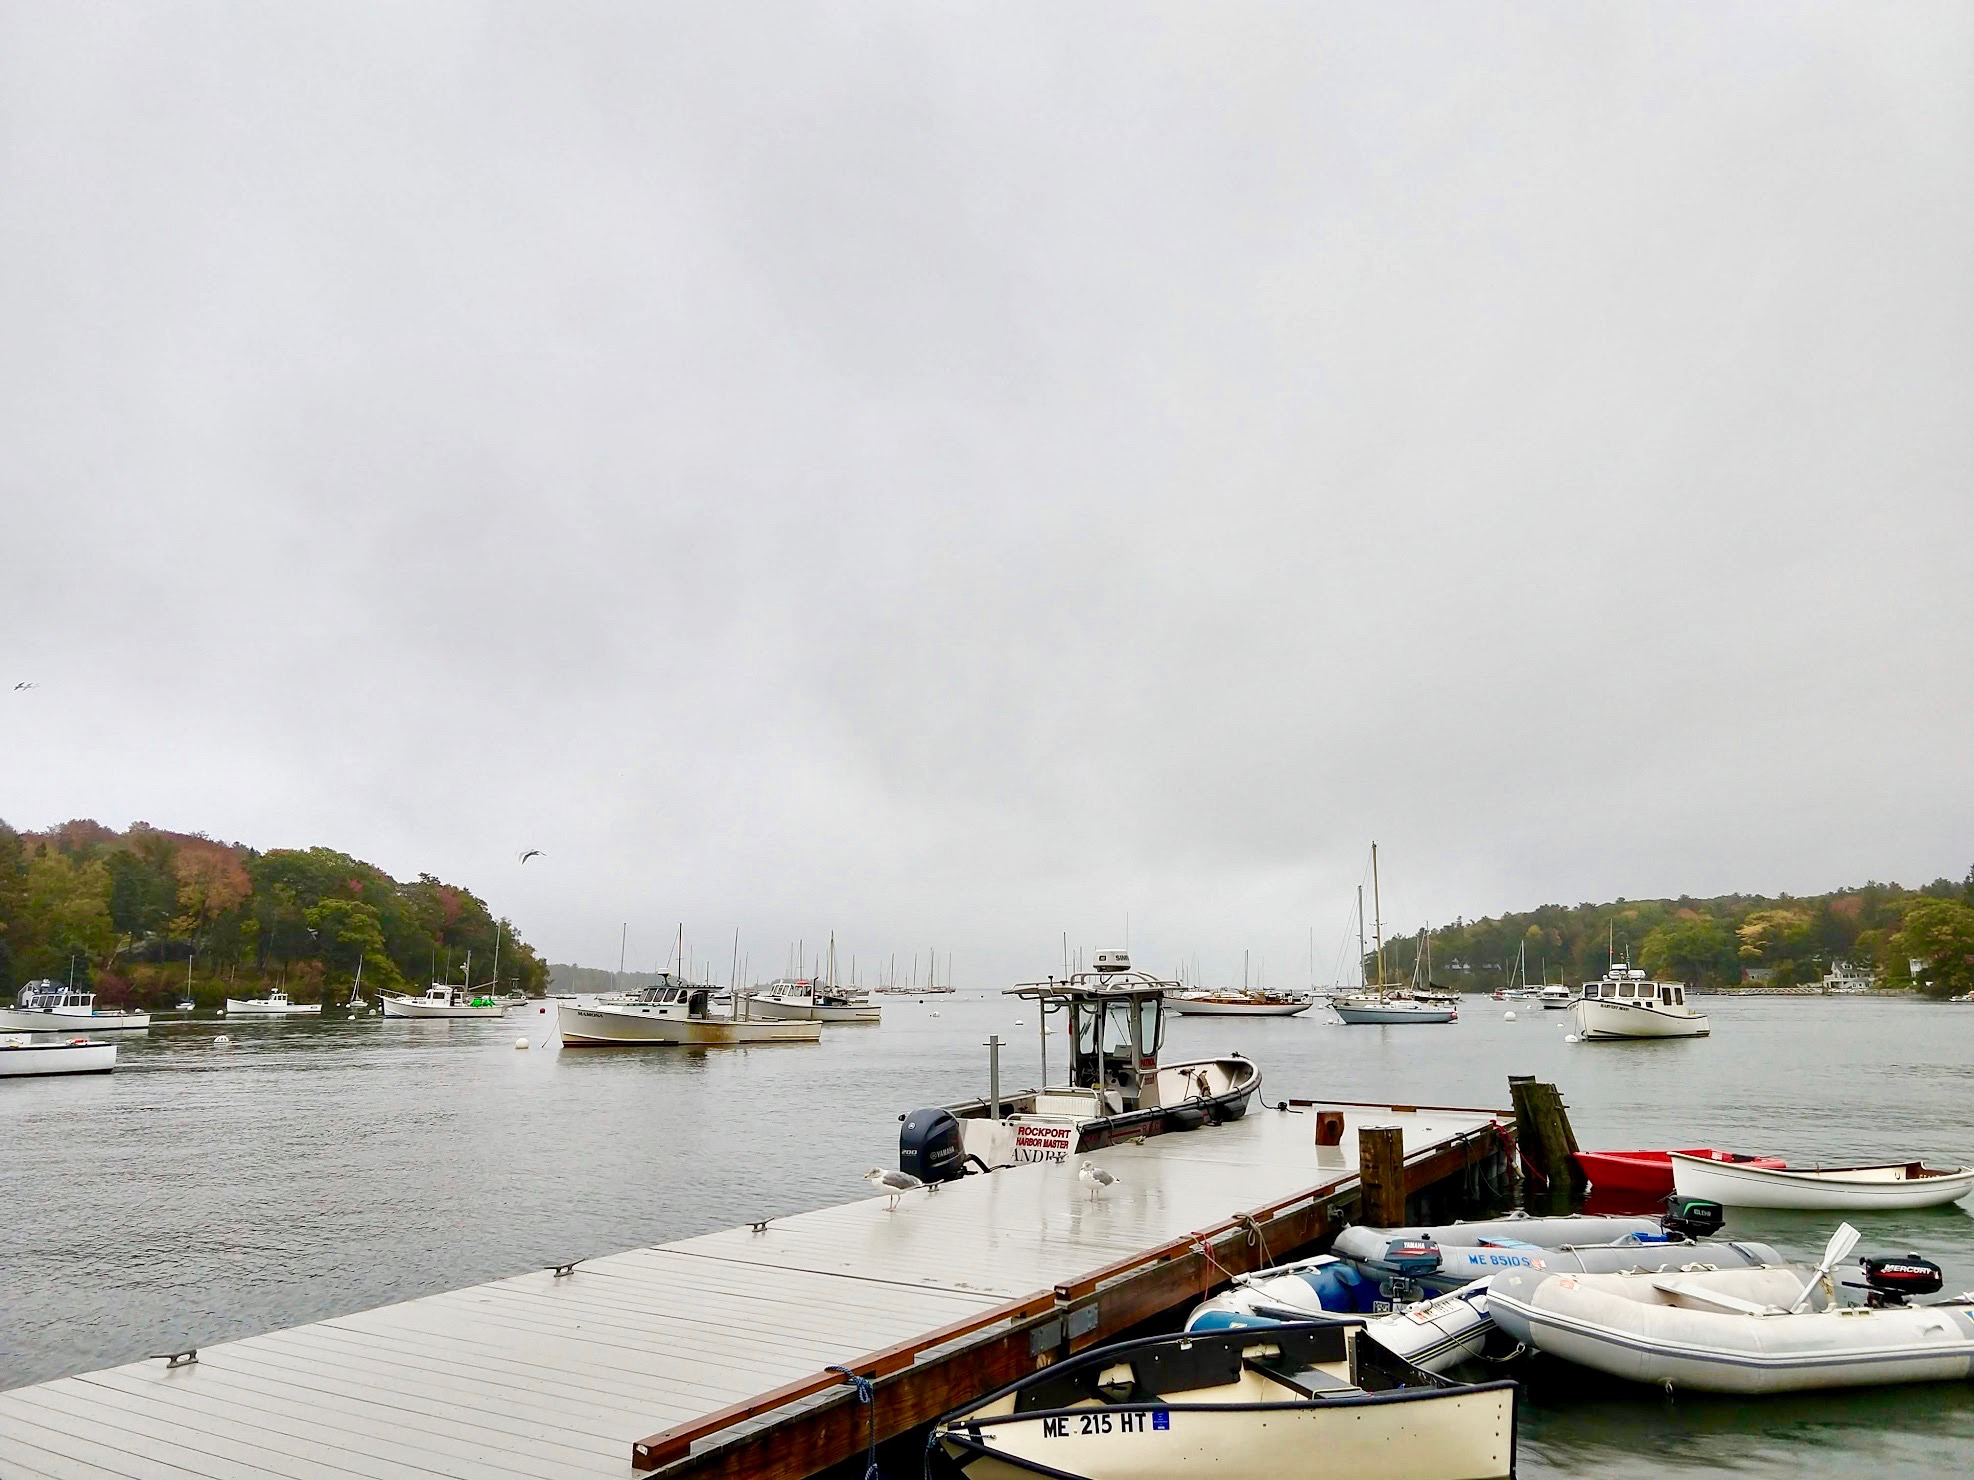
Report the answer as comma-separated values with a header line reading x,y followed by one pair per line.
x,y
893,1185
1095,1178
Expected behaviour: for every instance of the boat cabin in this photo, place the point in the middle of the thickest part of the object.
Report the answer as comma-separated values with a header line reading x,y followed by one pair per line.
x,y
667,999
1631,986
1114,1025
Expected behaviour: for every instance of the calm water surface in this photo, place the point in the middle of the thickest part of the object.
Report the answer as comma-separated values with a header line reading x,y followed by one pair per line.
x,y
202,1193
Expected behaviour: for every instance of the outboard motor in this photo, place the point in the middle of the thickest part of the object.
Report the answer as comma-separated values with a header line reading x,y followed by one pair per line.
x,y
1692,1218
1410,1257
930,1146
1889,1283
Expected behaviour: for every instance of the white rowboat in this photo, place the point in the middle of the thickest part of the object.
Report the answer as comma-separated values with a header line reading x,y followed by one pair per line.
x,y
1909,1184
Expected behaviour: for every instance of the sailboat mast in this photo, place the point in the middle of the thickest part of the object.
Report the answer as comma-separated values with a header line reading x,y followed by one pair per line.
x,y
1360,937
1377,916
498,925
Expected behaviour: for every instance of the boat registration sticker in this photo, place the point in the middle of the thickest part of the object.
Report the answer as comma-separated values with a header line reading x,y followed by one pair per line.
x,y
1161,1419
1565,1282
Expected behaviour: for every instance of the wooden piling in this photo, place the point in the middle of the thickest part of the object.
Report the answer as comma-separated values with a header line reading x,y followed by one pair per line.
x,y
1542,1130
1381,1175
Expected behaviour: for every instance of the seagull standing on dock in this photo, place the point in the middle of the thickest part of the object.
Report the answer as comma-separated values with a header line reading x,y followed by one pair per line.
x,y
893,1185
1095,1178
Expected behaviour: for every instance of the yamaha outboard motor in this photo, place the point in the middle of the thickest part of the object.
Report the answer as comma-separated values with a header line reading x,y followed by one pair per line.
x,y
1889,1283
930,1146
1692,1218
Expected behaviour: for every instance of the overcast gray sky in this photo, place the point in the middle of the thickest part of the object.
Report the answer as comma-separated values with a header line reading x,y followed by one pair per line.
x,y
959,474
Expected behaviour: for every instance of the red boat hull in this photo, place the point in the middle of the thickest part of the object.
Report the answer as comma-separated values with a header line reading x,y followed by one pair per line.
x,y
1649,1173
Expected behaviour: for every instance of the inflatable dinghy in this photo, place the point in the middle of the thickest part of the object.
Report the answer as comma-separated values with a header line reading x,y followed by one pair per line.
x,y
1436,1334
1734,1330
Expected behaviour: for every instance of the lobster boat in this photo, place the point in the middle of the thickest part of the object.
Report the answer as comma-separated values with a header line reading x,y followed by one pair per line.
x,y
27,1056
670,1014
1115,1088
275,1004
50,1007
1240,1404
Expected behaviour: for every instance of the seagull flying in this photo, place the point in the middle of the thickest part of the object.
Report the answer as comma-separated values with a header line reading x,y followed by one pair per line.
x,y
19,686
893,1185
1095,1178
531,853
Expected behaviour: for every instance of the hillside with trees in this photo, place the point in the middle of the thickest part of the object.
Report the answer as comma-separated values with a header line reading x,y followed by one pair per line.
x,y
1728,941
129,912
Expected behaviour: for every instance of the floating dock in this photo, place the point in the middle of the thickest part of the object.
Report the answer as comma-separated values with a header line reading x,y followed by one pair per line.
x,y
713,1356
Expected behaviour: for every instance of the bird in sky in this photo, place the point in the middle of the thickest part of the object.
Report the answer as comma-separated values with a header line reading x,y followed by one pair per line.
x,y
893,1185
531,853
19,686
1096,1178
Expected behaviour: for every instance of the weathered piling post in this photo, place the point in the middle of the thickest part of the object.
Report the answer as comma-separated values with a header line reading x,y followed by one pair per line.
x,y
1381,1175
1548,1144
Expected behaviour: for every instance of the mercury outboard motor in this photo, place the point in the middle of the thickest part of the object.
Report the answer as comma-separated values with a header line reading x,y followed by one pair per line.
x,y
1692,1218
930,1146
1889,1283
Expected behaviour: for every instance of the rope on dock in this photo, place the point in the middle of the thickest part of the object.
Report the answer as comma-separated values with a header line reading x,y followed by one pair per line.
x,y
867,1395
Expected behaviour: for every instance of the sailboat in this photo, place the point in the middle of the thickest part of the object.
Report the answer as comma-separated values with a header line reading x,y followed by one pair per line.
x,y
356,1005
1387,1002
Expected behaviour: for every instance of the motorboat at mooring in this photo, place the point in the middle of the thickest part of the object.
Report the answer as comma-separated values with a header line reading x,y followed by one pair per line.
x,y
812,1002
447,1000
31,1056
1772,1330
50,1007
274,1004
1117,1090
1851,1189
1238,1404
1623,1004
669,1014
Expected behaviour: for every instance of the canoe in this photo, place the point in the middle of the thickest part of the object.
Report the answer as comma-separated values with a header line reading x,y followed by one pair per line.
x,y
1909,1184
1663,1329
1435,1334
1236,1405
1649,1173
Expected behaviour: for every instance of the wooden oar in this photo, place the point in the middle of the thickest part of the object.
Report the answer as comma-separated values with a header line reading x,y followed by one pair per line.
x,y
1710,1297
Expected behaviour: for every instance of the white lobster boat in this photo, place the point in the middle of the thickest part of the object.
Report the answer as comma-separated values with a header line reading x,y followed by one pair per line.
x,y
1772,1330
812,1002
49,1007
1739,1184
1623,1004
670,1014
441,1001
23,1056
274,1004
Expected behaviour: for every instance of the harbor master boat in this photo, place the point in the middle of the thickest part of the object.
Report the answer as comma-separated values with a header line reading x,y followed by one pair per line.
x,y
1239,1404
1116,1089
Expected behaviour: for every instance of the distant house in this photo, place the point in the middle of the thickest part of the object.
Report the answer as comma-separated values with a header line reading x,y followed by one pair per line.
x,y
1756,976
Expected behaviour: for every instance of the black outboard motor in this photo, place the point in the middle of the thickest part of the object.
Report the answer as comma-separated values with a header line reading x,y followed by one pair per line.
x,y
930,1146
1692,1218
1889,1283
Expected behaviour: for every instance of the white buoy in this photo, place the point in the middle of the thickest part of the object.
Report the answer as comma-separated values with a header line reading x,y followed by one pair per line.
x,y
222,1041
1021,1022
520,1043
1507,1017
1571,1038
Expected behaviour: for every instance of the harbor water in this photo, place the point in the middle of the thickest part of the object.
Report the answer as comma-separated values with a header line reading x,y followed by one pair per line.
x,y
313,1168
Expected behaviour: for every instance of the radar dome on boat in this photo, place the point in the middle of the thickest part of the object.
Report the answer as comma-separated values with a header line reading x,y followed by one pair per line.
x,y
1111,961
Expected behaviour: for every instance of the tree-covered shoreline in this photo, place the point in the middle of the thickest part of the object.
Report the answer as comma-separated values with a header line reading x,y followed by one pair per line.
x,y
128,912
1719,943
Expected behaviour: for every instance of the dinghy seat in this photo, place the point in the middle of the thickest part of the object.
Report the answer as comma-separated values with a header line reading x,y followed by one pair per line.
x,y
1311,1382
